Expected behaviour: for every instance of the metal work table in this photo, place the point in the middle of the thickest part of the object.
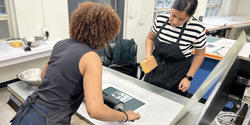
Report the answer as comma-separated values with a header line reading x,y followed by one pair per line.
x,y
160,108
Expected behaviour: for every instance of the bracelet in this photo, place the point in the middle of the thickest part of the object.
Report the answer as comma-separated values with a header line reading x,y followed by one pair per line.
x,y
126,116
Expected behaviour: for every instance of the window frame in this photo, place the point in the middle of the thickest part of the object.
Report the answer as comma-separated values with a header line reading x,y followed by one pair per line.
x,y
7,17
163,9
217,7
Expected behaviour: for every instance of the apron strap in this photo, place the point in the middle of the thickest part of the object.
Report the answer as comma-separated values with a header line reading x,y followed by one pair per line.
x,y
161,28
182,30
31,100
25,107
179,37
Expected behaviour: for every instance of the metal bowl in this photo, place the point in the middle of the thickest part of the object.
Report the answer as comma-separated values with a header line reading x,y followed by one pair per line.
x,y
34,40
31,76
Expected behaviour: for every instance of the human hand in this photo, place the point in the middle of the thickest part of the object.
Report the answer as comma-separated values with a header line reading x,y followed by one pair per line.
x,y
147,56
132,115
184,85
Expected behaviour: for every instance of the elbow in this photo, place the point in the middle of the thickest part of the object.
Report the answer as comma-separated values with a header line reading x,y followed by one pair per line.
x,y
94,113
148,39
200,53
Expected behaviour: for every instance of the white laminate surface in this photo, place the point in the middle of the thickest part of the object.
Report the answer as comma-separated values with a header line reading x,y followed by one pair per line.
x,y
10,55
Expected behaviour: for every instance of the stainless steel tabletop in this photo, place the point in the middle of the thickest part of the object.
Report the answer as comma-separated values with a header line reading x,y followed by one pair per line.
x,y
160,108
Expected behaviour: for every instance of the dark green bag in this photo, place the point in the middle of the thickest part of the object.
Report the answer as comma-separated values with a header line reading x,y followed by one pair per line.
x,y
124,52
121,56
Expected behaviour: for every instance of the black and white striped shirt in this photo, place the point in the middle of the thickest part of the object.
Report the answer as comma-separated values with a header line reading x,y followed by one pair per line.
x,y
194,35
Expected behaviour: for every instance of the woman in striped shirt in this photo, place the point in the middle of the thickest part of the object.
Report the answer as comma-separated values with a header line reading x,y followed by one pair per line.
x,y
171,41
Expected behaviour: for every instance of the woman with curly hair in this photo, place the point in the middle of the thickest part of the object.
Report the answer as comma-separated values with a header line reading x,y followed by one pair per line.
x,y
74,72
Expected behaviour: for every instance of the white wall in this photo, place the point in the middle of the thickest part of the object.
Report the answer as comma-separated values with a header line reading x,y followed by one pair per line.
x,y
235,8
138,19
228,7
33,15
243,8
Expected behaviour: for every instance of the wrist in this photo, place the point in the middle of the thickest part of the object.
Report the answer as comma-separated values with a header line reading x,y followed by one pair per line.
x,y
189,77
125,116
147,56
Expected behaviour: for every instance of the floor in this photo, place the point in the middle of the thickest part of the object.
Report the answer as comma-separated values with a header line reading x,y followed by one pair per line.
x,y
7,113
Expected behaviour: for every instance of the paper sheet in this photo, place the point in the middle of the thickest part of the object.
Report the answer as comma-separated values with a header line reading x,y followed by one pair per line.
x,y
220,47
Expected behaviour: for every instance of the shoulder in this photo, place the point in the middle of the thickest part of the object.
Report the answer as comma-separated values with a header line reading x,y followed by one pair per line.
x,y
89,60
91,57
194,23
162,17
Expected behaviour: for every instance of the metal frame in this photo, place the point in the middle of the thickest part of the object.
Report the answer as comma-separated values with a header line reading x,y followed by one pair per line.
x,y
163,9
216,6
226,90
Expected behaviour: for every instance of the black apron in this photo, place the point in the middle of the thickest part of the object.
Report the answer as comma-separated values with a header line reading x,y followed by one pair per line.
x,y
172,64
61,116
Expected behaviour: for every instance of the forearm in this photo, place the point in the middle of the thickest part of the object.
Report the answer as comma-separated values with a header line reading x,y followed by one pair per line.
x,y
149,47
91,67
107,114
149,44
197,61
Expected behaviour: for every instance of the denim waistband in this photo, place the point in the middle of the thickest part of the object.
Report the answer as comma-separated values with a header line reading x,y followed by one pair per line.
x,y
41,108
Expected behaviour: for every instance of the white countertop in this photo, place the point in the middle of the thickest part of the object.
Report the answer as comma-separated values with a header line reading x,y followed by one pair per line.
x,y
10,55
217,23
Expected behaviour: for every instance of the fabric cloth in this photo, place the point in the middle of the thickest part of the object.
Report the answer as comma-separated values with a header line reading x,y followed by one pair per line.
x,y
124,52
31,117
32,112
194,35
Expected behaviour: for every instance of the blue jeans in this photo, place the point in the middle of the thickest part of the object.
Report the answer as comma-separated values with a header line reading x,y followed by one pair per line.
x,y
31,117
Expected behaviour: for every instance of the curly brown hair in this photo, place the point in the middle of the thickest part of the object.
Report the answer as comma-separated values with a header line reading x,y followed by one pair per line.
x,y
94,24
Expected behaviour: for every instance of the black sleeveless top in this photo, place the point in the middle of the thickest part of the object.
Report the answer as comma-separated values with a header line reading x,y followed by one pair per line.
x,y
63,82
